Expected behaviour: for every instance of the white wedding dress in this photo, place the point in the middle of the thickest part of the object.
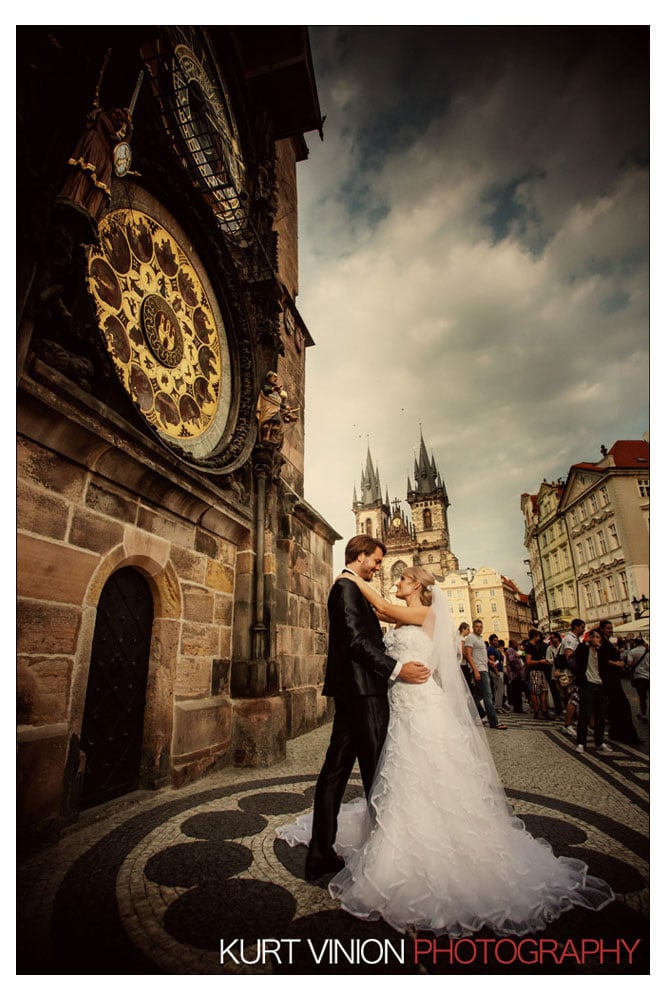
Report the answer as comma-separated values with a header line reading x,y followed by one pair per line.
x,y
439,848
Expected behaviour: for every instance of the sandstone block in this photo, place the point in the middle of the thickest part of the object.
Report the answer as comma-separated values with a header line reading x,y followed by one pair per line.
x,y
98,534
47,628
41,513
259,727
200,640
201,724
219,577
52,571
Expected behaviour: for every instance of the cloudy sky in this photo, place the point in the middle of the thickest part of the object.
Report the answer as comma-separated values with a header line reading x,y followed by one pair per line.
x,y
474,260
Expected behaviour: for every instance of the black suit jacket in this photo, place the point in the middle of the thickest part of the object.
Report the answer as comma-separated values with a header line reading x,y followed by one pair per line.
x,y
357,665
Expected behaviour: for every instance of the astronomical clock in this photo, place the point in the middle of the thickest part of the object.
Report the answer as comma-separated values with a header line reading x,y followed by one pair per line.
x,y
207,125
177,332
163,328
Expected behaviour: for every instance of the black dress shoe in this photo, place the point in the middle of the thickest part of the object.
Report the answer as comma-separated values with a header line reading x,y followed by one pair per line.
x,y
317,869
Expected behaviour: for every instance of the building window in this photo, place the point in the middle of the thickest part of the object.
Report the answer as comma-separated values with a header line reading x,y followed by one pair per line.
x,y
478,608
602,542
624,584
605,494
369,526
573,516
600,591
580,553
643,486
588,595
591,548
614,536
459,593
461,608
492,593
570,596
428,520
494,606
582,511
449,593
611,589
594,503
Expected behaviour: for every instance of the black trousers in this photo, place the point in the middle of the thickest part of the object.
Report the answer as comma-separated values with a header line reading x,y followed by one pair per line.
x,y
516,692
358,733
619,713
592,701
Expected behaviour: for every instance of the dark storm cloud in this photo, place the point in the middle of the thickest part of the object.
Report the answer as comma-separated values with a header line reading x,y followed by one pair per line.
x,y
474,259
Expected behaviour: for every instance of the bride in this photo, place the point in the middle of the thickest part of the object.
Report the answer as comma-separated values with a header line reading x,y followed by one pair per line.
x,y
437,846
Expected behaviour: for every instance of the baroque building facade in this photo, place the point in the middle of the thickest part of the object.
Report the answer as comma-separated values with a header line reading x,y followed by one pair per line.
x,y
487,594
588,539
172,577
551,566
606,507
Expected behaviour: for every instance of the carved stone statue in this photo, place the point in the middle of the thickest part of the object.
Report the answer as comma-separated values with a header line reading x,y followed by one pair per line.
x,y
273,412
88,187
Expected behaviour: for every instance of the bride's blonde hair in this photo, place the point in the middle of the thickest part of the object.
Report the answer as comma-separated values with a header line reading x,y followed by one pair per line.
x,y
426,579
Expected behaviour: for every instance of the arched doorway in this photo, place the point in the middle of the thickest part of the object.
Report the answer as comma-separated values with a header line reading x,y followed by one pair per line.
x,y
113,718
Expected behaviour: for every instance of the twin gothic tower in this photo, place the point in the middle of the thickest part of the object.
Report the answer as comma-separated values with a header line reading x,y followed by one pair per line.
x,y
418,539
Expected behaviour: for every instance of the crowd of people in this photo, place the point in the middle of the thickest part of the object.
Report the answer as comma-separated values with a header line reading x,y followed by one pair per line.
x,y
574,679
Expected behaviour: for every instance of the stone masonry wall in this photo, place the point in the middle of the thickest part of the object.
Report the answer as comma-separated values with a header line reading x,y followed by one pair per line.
x,y
76,527
304,577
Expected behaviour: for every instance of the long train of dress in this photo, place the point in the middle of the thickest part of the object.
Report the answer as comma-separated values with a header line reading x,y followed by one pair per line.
x,y
439,848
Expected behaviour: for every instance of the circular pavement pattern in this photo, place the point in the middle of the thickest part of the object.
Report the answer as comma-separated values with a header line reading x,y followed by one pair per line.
x,y
161,891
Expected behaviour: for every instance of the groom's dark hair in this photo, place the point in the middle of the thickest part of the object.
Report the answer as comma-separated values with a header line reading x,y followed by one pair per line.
x,y
362,545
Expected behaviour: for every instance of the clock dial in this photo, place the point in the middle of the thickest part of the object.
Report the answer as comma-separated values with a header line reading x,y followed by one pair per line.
x,y
163,329
207,124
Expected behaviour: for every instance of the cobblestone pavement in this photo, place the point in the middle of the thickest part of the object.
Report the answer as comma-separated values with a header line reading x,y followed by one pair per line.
x,y
152,883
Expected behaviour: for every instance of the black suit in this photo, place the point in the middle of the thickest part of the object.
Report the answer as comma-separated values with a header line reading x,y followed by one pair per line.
x,y
356,677
619,713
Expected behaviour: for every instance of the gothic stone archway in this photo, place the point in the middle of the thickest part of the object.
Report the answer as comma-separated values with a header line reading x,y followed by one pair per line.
x,y
113,719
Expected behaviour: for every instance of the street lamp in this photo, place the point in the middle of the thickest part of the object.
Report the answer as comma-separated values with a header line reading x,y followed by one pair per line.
x,y
640,605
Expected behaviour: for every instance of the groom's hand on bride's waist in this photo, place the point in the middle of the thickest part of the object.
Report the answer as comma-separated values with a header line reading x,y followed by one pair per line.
x,y
414,672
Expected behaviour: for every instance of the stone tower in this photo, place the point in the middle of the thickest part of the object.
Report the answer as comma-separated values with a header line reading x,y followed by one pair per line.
x,y
371,512
157,332
428,502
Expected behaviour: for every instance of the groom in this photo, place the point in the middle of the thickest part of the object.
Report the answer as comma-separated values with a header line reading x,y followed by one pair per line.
x,y
357,674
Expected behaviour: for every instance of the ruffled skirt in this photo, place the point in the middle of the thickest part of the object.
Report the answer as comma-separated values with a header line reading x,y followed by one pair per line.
x,y
439,848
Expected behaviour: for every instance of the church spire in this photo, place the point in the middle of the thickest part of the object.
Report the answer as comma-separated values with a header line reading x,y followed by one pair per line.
x,y
371,489
425,471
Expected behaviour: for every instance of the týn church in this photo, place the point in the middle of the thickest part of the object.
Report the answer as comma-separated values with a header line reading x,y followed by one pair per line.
x,y
420,536
419,539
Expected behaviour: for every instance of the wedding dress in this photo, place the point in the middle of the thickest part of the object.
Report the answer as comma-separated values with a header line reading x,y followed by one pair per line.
x,y
438,847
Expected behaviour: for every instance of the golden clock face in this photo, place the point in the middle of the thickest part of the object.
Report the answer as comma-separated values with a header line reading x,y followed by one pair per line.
x,y
163,329
206,121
